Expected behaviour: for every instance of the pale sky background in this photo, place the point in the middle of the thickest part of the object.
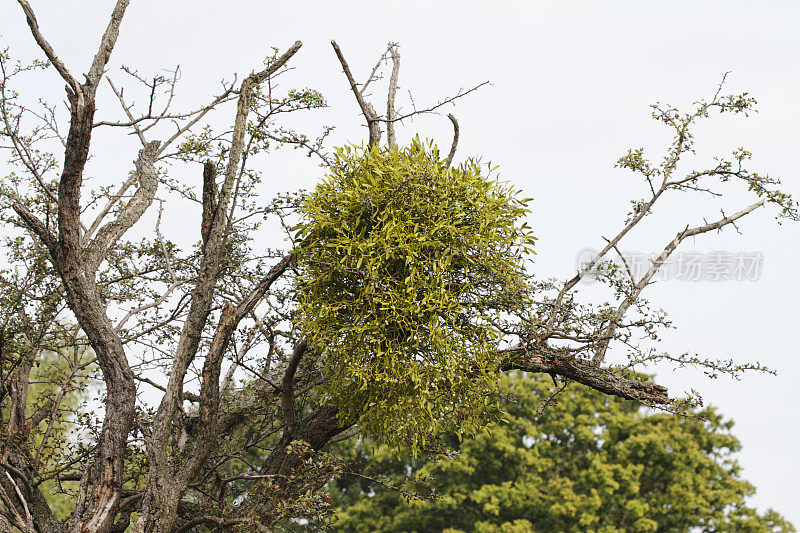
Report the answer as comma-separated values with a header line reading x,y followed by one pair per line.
x,y
571,85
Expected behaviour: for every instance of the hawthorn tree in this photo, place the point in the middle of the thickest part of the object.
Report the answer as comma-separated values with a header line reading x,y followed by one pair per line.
x,y
225,369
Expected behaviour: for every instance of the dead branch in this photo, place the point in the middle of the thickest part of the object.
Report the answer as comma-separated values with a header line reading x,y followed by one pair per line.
x,y
142,199
47,49
561,363
391,95
372,75
453,146
366,108
106,45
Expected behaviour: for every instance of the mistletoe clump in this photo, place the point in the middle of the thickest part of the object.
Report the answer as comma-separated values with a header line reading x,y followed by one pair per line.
x,y
409,269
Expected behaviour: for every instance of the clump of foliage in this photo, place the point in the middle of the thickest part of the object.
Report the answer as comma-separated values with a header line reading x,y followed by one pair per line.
x,y
588,463
409,267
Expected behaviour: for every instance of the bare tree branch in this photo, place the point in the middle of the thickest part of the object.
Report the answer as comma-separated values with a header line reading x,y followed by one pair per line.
x,y
39,229
209,199
391,96
637,289
461,93
372,75
287,385
132,122
561,363
366,108
142,199
47,49
453,146
106,45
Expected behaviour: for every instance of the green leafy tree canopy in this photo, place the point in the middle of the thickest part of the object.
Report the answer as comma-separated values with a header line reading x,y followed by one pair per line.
x,y
592,463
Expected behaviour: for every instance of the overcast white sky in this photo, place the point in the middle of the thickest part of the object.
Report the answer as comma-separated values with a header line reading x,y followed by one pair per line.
x,y
571,85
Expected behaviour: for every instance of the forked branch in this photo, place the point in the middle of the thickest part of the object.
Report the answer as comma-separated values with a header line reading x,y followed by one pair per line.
x,y
637,289
367,110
